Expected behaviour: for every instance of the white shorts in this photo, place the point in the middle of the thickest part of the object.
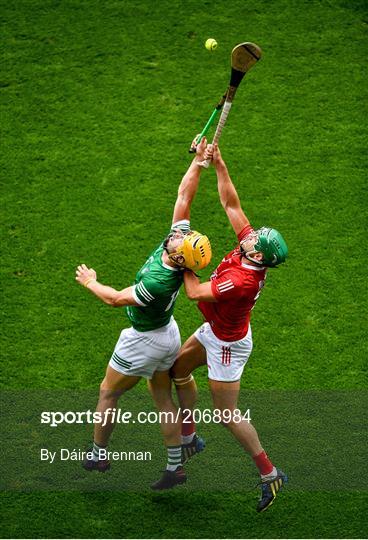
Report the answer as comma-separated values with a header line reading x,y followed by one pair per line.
x,y
225,359
142,353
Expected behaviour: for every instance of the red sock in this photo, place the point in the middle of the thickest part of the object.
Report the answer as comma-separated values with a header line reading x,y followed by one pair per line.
x,y
188,426
263,463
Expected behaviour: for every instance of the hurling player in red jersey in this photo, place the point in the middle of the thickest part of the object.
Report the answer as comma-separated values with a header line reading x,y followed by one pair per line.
x,y
224,341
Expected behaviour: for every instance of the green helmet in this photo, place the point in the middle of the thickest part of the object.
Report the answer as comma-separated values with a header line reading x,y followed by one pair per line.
x,y
272,245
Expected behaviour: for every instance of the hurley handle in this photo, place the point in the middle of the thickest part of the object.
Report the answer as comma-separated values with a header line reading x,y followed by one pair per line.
x,y
192,150
220,126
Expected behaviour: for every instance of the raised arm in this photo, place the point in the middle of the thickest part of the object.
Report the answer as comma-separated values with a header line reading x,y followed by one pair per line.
x,y
197,291
228,195
88,278
189,185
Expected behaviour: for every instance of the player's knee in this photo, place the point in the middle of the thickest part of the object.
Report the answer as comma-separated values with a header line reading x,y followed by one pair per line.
x,y
226,416
228,421
163,399
182,381
180,369
225,423
104,386
107,392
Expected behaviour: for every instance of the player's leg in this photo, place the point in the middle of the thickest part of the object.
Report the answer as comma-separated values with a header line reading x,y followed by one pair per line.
x,y
225,398
160,389
226,362
191,355
170,424
122,373
112,387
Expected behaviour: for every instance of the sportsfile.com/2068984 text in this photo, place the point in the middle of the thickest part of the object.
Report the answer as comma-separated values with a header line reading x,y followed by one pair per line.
x,y
119,416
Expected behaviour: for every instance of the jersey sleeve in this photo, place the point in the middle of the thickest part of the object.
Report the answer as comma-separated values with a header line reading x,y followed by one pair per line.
x,y
145,292
183,225
225,287
244,232
232,287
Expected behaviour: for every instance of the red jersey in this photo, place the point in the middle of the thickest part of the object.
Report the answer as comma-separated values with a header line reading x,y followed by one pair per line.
x,y
236,287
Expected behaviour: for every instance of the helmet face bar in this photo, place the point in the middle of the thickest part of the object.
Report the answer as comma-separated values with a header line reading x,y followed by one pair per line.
x,y
193,253
270,243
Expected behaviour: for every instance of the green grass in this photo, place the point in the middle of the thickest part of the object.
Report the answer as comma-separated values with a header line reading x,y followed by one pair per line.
x,y
201,515
99,102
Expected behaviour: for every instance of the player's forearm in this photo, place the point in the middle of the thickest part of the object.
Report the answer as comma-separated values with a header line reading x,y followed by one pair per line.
x,y
186,192
230,200
189,184
227,192
107,294
197,291
191,283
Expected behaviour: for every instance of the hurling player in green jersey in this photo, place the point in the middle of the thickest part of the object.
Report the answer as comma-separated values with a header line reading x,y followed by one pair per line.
x,y
149,347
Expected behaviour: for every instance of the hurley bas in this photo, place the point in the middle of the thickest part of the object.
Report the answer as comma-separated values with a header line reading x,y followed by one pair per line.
x,y
65,454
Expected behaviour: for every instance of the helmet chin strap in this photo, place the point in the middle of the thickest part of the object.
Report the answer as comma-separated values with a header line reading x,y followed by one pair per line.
x,y
165,242
254,261
177,259
174,256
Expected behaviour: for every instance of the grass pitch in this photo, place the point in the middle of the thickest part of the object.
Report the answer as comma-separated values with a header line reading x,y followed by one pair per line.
x,y
99,102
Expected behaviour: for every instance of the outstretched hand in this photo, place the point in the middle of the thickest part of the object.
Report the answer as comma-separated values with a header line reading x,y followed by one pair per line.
x,y
200,147
84,275
212,153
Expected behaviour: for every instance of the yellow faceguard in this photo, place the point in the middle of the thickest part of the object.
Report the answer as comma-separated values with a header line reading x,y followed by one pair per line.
x,y
194,253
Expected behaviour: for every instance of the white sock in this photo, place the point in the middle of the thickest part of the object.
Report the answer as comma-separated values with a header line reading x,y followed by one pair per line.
x,y
187,439
269,476
96,451
173,458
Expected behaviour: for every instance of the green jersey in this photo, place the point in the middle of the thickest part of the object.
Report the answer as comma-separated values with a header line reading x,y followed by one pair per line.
x,y
156,288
